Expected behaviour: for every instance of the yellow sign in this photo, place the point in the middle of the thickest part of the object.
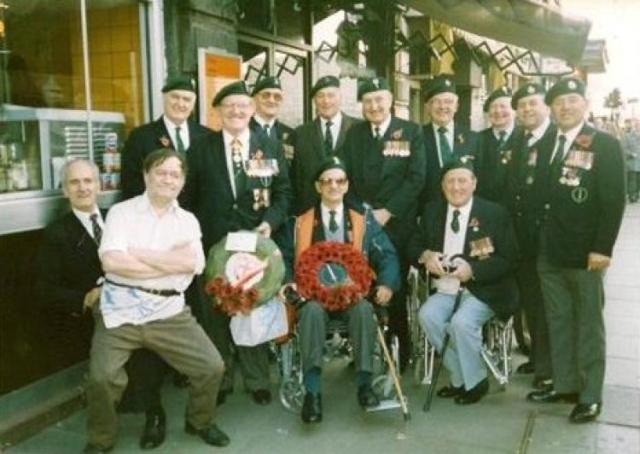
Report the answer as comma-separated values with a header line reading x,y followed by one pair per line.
x,y
215,70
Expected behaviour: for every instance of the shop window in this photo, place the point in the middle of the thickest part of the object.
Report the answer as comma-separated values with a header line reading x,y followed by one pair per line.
x,y
290,69
255,62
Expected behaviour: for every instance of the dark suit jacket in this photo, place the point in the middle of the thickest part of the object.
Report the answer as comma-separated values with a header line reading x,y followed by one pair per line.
x,y
281,132
585,218
308,156
492,163
493,282
208,193
143,140
386,181
465,144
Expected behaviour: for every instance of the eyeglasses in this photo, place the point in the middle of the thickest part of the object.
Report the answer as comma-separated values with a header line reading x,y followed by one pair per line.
x,y
237,105
330,181
265,95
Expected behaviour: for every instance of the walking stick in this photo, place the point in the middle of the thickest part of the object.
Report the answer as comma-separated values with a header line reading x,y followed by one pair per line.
x,y
445,343
394,374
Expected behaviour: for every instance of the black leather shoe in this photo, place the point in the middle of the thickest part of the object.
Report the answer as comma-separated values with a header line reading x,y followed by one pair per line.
x,y
211,435
312,408
549,395
450,391
366,397
474,394
585,413
154,431
222,396
95,449
526,368
542,383
261,396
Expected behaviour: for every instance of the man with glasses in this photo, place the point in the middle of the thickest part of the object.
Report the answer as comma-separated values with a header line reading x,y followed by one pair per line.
x,y
173,130
445,139
227,193
333,220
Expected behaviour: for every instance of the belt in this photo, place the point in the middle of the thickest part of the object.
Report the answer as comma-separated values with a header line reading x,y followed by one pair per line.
x,y
153,291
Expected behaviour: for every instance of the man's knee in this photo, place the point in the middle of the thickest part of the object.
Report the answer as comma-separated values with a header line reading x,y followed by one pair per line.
x,y
312,310
362,309
464,325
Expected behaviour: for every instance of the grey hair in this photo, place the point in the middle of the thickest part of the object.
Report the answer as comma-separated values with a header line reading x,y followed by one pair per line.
x,y
64,170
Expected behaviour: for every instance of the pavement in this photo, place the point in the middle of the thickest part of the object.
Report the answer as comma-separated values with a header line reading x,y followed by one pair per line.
x,y
503,422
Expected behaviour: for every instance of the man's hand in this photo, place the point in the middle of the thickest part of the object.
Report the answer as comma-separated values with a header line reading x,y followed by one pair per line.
x,y
433,262
264,229
382,215
383,295
463,270
598,262
92,298
283,289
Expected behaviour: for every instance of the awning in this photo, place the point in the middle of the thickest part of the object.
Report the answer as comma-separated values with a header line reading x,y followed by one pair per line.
x,y
595,57
538,25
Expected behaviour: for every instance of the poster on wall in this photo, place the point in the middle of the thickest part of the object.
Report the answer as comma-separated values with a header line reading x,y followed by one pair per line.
x,y
216,68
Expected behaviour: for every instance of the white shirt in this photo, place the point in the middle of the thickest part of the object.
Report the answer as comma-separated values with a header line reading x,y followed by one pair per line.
x,y
537,133
448,135
382,127
454,244
134,223
336,123
85,219
570,135
244,138
184,132
262,122
508,130
326,216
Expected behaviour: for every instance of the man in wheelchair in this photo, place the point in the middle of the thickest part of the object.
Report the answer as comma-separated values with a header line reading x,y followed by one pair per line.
x,y
333,220
464,240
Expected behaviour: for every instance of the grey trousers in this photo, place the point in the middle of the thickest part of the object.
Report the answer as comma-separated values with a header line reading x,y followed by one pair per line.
x,y
462,358
574,300
312,330
179,340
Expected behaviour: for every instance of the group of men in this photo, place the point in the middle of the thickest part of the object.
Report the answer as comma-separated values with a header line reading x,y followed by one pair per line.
x,y
438,196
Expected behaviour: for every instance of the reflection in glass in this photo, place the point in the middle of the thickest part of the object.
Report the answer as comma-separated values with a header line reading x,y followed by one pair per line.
x,y
290,70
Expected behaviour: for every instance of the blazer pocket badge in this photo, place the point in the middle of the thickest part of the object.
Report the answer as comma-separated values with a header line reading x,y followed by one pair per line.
x,y
481,248
397,149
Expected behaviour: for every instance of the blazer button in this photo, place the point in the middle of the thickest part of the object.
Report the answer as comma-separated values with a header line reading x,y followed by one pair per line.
x,y
519,214
517,197
235,206
547,206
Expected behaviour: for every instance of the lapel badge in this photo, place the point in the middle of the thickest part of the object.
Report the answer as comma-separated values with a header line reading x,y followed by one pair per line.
x,y
165,141
397,134
572,85
474,224
460,138
447,82
376,83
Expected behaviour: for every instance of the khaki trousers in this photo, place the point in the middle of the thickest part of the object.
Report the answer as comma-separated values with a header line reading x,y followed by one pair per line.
x,y
179,340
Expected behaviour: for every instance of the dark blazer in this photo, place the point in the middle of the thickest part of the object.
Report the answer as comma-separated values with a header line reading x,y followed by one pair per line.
x,y
308,156
520,195
491,164
493,282
386,181
464,144
143,140
584,218
208,193
281,132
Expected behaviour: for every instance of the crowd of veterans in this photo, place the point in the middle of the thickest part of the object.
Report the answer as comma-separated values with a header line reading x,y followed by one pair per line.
x,y
521,216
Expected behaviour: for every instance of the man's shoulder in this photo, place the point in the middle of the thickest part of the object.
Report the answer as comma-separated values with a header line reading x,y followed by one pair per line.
x,y
405,125
488,208
60,224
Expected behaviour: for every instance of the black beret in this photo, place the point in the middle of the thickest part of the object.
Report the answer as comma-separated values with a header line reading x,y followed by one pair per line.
x,y
324,82
234,88
564,87
440,84
330,163
526,90
179,83
502,92
462,162
369,85
264,83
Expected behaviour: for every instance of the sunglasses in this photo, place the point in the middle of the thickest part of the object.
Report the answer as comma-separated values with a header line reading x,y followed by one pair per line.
x,y
330,181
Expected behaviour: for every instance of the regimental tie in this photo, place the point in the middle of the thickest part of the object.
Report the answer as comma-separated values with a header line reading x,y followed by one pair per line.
x,y
445,149
558,154
502,135
236,157
179,143
333,224
95,226
328,138
266,129
377,134
455,221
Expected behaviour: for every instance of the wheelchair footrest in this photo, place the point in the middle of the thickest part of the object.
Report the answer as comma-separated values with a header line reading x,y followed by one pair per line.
x,y
386,404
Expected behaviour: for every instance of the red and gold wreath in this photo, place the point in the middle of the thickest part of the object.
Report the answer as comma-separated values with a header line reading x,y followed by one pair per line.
x,y
337,295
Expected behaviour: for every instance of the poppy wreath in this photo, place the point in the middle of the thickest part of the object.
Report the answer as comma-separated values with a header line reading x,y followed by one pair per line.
x,y
236,297
342,295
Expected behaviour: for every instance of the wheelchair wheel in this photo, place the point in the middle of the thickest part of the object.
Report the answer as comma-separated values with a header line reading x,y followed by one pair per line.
x,y
292,395
383,385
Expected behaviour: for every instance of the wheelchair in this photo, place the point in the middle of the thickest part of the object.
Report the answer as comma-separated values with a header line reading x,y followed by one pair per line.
x,y
385,382
497,334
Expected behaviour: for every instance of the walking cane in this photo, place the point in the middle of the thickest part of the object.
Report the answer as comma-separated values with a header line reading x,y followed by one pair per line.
x,y
394,374
445,343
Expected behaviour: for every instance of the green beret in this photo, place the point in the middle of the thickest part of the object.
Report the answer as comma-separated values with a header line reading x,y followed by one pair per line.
x,y
564,87
234,88
264,83
440,84
369,85
462,162
330,163
324,82
179,83
526,90
502,92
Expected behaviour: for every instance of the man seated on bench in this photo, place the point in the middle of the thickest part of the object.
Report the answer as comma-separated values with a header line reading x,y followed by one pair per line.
x,y
464,240
333,220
